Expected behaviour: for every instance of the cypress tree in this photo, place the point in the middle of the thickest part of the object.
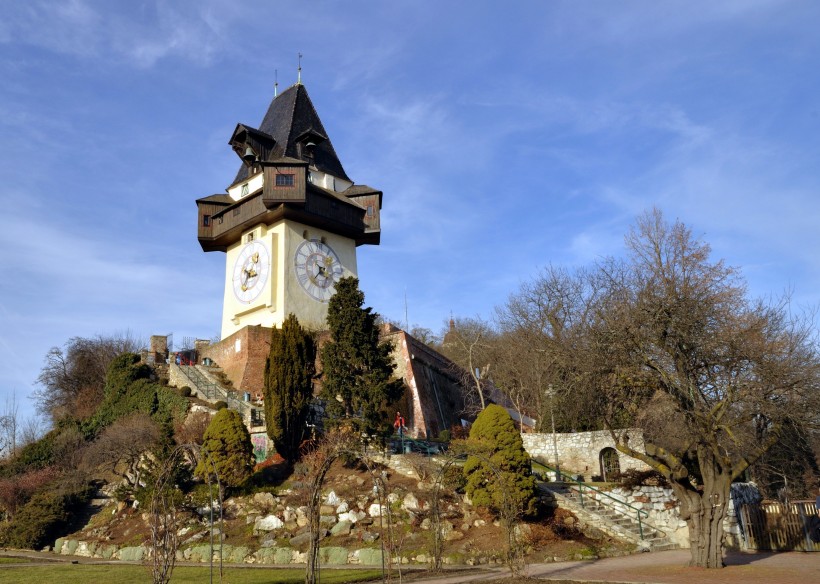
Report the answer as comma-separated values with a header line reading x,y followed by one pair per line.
x,y
289,372
357,379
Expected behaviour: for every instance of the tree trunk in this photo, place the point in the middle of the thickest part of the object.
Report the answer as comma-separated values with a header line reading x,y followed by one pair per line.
x,y
704,512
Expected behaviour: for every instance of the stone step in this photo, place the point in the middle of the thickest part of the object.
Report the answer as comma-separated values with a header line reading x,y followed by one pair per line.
x,y
617,522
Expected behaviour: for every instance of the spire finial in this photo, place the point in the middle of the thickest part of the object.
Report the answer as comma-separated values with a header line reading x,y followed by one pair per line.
x,y
275,82
299,71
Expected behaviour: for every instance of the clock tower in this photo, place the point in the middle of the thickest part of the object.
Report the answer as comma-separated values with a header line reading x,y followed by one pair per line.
x,y
290,222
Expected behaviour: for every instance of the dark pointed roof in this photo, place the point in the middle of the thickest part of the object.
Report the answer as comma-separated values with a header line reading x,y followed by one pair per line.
x,y
290,118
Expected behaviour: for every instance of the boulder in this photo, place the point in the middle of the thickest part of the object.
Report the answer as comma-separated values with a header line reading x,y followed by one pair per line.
x,y
333,555
267,523
264,500
300,540
368,557
341,528
132,554
332,499
351,516
327,519
370,536
376,510
410,502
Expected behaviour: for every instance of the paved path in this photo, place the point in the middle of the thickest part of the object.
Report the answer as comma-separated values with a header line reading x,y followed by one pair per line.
x,y
667,568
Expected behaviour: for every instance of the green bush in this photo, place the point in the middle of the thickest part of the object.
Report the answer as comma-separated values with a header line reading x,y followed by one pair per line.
x,y
45,517
128,389
220,405
443,436
498,470
185,391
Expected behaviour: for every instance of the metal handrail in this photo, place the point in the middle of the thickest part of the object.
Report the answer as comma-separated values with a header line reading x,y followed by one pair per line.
x,y
581,485
213,391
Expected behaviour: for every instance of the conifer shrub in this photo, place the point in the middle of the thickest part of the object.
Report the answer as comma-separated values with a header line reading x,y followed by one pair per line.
x,y
229,449
497,472
185,391
220,405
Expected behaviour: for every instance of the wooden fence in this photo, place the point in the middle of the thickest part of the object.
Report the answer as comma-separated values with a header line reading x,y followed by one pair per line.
x,y
775,526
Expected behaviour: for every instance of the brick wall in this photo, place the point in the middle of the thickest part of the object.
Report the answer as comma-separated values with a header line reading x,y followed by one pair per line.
x,y
242,357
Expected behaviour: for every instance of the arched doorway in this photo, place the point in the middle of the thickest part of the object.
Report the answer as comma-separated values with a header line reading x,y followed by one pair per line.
x,y
610,464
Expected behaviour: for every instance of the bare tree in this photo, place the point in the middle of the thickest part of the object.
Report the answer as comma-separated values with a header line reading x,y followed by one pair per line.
x,y
122,445
72,379
192,429
9,427
165,521
468,342
336,443
677,349
535,351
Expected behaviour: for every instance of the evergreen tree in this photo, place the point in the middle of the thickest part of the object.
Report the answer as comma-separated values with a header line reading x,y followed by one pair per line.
x,y
358,384
498,474
289,386
228,445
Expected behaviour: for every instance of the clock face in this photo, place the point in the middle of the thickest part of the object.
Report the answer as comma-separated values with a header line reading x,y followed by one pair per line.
x,y
318,269
250,272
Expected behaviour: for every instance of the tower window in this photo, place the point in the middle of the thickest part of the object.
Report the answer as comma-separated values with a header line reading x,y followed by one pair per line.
x,y
206,220
370,210
249,238
244,190
284,180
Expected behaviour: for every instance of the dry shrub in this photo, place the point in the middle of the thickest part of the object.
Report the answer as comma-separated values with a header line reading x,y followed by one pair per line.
x,y
539,535
422,465
192,429
564,524
633,478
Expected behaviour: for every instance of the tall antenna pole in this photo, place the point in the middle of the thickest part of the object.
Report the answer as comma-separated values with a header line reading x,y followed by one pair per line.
x,y
406,321
299,71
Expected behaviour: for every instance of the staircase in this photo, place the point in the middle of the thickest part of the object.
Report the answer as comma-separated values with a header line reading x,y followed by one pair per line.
x,y
609,518
209,389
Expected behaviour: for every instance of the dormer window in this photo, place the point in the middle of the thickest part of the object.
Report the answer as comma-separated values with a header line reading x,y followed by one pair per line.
x,y
244,190
284,180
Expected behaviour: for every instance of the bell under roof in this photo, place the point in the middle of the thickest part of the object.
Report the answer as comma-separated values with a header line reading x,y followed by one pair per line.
x,y
291,117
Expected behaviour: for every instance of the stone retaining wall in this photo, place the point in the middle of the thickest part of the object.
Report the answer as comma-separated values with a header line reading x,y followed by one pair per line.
x,y
664,512
579,453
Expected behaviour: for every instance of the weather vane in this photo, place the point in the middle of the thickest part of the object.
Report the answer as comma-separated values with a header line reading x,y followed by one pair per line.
x,y
299,71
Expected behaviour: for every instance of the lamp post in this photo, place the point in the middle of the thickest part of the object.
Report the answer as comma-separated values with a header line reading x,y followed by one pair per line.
x,y
549,393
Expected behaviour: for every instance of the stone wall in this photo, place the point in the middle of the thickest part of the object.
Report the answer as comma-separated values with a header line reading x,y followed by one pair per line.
x,y
579,453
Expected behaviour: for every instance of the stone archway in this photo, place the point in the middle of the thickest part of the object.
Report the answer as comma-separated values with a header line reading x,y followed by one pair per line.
x,y
610,463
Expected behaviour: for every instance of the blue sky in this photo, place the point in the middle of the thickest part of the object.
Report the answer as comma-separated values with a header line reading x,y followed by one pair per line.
x,y
505,136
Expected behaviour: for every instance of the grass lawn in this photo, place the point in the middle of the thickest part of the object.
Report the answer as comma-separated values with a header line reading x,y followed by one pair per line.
x,y
128,574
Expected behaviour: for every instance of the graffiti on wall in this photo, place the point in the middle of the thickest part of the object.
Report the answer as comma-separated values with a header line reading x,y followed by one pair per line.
x,y
260,446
